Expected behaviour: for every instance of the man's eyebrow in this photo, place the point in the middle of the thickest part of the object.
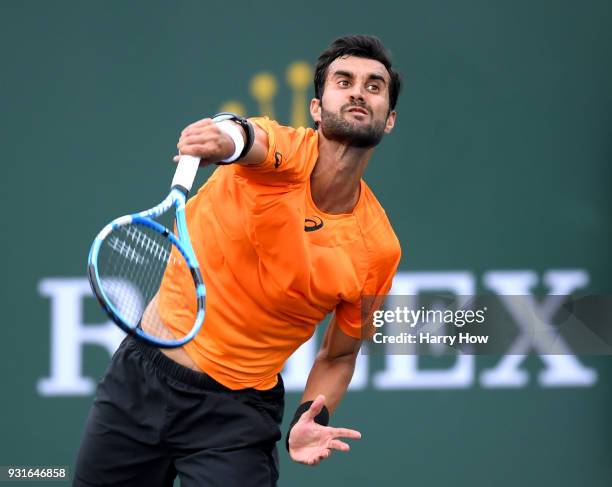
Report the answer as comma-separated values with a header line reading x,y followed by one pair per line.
x,y
371,76
346,74
378,77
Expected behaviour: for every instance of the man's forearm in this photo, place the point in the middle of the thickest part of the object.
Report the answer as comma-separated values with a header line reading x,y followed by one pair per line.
x,y
330,377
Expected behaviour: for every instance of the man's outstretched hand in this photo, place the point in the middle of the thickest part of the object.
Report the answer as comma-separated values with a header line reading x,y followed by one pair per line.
x,y
309,442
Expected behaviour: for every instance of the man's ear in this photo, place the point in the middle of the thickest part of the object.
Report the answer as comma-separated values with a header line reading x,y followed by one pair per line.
x,y
390,121
315,110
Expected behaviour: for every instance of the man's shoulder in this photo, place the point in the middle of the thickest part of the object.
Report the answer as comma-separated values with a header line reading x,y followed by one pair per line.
x,y
371,209
273,127
290,157
376,226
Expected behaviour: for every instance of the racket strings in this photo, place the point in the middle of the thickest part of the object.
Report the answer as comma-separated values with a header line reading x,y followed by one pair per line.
x,y
132,263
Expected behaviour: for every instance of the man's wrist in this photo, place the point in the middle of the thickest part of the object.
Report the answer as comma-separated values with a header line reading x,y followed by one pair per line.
x,y
241,132
233,133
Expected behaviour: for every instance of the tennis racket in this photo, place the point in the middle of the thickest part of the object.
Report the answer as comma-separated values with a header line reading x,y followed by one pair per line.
x,y
133,254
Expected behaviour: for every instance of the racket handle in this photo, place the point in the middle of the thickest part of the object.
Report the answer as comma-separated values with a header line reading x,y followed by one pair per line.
x,y
185,172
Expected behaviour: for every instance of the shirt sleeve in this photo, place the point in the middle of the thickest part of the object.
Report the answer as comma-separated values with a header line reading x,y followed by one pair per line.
x,y
291,154
355,318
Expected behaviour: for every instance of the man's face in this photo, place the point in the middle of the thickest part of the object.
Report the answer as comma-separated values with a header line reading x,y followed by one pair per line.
x,y
354,109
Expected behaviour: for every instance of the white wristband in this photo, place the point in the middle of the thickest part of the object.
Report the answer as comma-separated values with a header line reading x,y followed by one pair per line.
x,y
235,132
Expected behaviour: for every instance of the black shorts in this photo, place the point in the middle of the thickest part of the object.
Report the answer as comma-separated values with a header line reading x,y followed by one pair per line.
x,y
153,419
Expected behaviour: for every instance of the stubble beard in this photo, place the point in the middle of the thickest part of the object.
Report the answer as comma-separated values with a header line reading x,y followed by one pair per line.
x,y
335,127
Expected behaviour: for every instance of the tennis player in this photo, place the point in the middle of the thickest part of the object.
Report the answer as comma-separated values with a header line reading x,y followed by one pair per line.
x,y
286,234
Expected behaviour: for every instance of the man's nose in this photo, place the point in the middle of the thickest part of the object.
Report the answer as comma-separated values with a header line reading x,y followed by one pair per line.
x,y
356,93
357,96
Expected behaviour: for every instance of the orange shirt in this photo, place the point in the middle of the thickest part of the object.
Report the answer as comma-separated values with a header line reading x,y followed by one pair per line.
x,y
273,264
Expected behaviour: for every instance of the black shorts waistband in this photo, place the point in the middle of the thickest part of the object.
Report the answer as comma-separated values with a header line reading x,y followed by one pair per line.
x,y
189,376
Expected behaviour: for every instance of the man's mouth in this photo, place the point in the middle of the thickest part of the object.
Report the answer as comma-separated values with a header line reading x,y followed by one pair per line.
x,y
360,110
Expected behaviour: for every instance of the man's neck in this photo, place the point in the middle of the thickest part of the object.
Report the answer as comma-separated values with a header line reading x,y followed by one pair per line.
x,y
335,179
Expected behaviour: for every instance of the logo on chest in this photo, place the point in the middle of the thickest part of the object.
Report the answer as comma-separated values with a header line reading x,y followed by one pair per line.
x,y
312,223
278,160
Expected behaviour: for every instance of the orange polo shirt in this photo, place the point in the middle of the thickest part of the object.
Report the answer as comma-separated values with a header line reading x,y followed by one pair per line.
x,y
273,264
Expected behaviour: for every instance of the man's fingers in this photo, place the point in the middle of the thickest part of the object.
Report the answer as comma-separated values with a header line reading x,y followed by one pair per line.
x,y
315,460
199,123
196,139
345,433
201,150
315,408
339,445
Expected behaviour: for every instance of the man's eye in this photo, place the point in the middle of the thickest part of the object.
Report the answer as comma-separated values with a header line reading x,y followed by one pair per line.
x,y
343,82
373,88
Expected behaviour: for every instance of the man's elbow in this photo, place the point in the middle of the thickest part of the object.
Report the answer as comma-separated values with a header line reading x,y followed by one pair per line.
x,y
329,356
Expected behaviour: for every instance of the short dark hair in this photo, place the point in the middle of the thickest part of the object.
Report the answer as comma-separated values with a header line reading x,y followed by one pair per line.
x,y
368,47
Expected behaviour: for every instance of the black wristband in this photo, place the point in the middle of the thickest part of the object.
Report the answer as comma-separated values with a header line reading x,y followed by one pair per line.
x,y
248,132
322,418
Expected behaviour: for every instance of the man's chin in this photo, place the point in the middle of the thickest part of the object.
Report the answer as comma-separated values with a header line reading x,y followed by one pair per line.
x,y
353,129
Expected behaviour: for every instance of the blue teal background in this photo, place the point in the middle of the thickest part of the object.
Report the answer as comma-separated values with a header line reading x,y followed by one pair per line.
x,y
500,159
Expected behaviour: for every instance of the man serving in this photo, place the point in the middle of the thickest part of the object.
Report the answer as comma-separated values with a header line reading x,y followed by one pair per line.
x,y
286,231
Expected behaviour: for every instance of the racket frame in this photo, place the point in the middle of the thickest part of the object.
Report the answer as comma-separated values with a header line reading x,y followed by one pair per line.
x,y
177,198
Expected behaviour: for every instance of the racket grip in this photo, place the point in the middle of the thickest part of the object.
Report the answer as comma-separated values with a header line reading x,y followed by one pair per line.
x,y
185,172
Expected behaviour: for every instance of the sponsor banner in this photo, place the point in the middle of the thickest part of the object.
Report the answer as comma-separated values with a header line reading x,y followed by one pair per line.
x,y
71,335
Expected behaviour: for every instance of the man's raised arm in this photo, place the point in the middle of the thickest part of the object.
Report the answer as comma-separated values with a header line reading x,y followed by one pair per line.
x,y
215,142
